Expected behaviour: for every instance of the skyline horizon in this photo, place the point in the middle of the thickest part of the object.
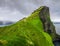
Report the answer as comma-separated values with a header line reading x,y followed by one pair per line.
x,y
13,10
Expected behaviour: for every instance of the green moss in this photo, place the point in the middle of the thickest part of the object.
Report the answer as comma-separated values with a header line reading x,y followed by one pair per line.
x,y
26,32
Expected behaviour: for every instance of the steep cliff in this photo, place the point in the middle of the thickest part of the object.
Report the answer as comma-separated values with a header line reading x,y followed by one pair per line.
x,y
47,24
29,31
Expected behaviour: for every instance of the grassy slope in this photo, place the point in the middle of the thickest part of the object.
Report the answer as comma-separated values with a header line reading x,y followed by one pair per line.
x,y
26,32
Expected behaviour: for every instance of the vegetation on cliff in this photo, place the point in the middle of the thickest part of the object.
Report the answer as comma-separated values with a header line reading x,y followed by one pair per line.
x,y
26,32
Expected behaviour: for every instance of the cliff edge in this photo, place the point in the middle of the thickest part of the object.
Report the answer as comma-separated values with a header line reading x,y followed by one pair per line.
x,y
35,30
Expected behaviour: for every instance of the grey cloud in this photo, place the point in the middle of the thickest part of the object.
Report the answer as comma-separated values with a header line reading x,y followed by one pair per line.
x,y
26,7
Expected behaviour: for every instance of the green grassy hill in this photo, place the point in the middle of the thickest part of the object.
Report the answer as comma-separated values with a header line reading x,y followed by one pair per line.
x,y
26,32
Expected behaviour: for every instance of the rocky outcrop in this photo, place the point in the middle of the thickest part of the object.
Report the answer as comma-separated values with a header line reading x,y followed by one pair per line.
x,y
47,24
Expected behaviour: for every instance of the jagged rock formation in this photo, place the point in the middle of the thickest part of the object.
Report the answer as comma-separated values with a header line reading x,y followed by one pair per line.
x,y
29,31
47,24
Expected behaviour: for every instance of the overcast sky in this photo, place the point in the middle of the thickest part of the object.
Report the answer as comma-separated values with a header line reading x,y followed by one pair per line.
x,y
14,10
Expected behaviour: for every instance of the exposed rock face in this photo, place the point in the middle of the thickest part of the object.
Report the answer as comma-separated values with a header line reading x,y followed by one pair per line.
x,y
47,24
